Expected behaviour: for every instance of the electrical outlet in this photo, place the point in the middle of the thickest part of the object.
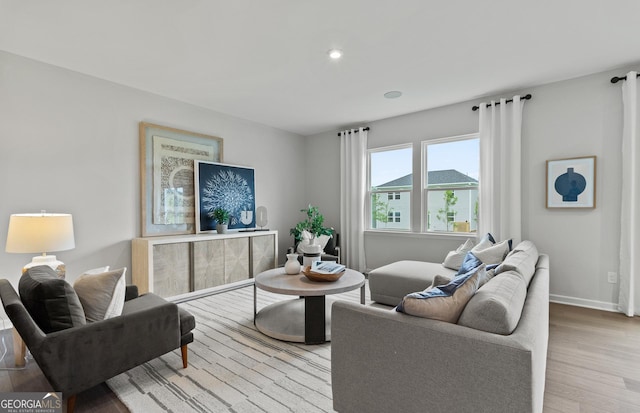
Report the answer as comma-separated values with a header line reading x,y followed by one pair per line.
x,y
612,277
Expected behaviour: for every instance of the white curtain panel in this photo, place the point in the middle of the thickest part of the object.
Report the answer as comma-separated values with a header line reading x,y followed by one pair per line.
x,y
500,169
629,219
353,191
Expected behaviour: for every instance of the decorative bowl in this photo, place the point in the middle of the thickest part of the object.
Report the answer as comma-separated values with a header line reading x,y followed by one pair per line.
x,y
315,276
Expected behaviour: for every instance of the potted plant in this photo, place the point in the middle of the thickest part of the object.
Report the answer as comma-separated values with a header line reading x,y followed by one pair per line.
x,y
313,223
222,216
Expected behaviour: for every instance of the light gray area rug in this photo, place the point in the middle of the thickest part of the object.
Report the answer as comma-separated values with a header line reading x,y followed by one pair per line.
x,y
232,366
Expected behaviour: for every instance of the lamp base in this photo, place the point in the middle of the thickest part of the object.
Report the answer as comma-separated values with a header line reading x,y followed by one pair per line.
x,y
49,260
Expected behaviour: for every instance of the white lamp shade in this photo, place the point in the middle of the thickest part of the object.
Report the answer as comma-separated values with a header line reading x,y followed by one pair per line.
x,y
40,233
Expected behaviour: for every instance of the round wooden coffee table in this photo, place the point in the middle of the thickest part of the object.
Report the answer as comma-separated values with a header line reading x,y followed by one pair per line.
x,y
306,319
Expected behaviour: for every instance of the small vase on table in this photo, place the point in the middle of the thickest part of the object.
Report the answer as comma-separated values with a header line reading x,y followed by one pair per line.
x,y
292,266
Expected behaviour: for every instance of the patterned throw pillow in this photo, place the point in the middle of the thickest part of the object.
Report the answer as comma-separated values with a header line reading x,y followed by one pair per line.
x,y
444,302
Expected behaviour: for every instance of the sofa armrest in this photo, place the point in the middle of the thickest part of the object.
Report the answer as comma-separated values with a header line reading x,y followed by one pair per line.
x,y
81,357
20,317
382,360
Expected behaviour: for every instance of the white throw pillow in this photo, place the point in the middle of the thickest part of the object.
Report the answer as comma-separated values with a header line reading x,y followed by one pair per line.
x,y
484,243
98,270
303,246
323,240
493,254
101,294
454,259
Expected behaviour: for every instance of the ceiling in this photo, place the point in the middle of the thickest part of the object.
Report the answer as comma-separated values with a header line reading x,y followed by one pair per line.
x,y
266,60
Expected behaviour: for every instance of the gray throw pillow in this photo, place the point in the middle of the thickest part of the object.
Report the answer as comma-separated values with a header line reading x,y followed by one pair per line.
x,y
51,301
102,294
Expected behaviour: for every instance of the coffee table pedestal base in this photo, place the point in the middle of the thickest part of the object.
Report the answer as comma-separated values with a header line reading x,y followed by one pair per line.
x,y
302,320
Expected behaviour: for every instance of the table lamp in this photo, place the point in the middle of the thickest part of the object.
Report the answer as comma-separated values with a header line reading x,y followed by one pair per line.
x,y
43,232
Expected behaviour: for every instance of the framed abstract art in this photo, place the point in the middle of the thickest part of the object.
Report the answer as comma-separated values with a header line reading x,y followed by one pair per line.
x,y
571,183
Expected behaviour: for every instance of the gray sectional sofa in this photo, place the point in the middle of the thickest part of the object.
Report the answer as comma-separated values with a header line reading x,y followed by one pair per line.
x,y
492,360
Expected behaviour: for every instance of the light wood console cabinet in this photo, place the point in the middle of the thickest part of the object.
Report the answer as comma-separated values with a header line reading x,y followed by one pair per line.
x,y
174,265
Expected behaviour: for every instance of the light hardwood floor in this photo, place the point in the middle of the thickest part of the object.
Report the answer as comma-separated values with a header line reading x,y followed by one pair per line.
x,y
593,365
593,362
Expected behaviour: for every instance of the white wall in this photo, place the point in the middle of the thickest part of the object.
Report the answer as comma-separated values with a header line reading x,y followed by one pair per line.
x,y
69,143
577,117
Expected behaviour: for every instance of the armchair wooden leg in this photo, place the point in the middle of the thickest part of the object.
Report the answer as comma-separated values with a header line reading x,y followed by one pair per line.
x,y
71,403
185,356
19,349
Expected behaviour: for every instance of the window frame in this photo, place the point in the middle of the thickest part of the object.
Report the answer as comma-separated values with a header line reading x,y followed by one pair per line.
x,y
424,192
388,190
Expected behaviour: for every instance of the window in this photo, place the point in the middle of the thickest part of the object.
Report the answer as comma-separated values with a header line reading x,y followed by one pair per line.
x,y
393,216
390,187
450,184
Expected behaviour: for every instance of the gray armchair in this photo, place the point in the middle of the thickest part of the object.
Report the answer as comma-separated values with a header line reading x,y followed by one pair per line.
x,y
78,358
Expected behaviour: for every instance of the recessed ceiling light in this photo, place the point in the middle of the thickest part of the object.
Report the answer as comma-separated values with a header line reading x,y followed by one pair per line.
x,y
393,94
335,54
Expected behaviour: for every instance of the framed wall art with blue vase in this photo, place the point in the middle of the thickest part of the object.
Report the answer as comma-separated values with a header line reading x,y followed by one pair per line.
x,y
571,183
230,187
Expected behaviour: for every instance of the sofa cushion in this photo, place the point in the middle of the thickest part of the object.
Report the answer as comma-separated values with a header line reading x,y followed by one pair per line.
x,y
455,258
51,301
391,282
497,306
444,302
101,294
522,260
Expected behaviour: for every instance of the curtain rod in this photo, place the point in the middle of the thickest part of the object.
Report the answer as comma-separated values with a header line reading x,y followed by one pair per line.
x,y
525,97
616,79
367,128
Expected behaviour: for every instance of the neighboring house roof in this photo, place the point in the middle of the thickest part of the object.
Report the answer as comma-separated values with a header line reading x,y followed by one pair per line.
x,y
406,180
447,176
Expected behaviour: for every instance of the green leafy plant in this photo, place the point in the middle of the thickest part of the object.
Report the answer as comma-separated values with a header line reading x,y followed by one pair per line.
x,y
314,223
221,215
476,211
380,210
444,213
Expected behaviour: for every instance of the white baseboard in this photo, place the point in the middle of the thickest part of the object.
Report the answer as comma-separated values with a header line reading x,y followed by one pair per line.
x,y
581,302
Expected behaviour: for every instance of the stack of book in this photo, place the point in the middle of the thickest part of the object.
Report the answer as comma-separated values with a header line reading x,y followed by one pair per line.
x,y
327,267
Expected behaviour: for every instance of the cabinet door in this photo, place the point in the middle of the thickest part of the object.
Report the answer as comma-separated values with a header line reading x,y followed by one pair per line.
x,y
236,259
263,253
171,269
208,264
